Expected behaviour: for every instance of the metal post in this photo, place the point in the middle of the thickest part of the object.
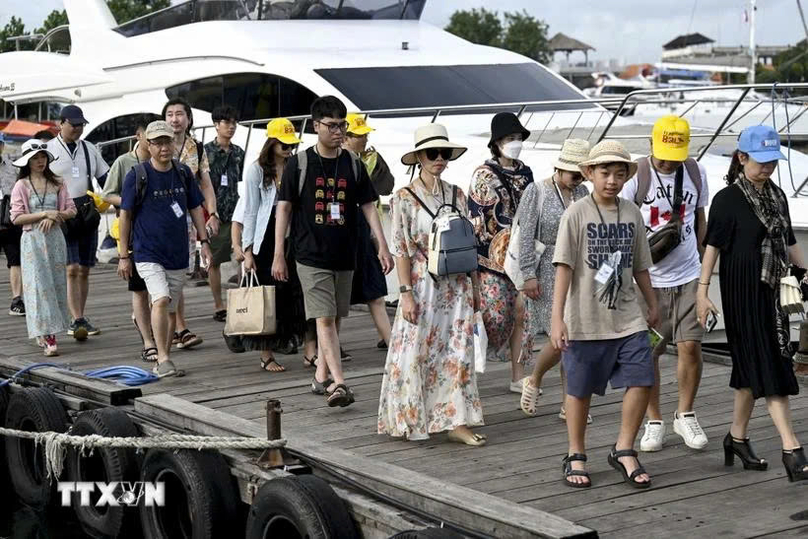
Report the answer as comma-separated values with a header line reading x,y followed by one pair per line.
x,y
545,129
274,412
752,47
723,123
247,143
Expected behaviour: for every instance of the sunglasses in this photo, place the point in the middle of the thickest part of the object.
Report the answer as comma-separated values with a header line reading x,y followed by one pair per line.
x,y
433,153
285,147
36,146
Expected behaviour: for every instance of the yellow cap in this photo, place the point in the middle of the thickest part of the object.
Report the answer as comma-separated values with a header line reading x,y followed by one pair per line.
x,y
357,125
283,130
671,138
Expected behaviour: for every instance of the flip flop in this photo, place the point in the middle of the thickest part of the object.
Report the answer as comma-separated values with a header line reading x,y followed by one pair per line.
x,y
473,440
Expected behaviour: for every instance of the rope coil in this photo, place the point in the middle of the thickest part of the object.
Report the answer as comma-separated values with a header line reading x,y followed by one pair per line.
x,y
55,443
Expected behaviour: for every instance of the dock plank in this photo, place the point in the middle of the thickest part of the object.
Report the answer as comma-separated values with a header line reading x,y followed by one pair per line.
x,y
518,468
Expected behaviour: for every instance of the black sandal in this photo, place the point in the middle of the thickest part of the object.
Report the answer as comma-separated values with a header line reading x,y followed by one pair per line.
x,y
220,316
310,361
149,355
321,388
566,468
614,454
266,362
341,396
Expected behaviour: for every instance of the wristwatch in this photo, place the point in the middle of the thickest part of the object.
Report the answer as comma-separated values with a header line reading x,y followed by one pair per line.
x,y
405,288
216,215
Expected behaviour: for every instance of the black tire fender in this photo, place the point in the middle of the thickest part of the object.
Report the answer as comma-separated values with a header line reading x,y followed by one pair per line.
x,y
36,409
105,465
427,533
301,506
4,397
200,495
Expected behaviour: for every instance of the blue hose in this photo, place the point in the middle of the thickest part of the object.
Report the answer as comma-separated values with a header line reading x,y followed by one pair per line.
x,y
125,374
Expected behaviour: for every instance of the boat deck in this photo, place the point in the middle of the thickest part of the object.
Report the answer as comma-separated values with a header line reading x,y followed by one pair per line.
x,y
693,493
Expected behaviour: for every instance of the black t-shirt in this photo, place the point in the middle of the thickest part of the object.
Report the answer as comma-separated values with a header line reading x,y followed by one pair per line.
x,y
320,240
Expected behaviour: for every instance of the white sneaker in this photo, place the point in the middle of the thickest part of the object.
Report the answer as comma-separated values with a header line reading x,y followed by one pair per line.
x,y
687,426
653,437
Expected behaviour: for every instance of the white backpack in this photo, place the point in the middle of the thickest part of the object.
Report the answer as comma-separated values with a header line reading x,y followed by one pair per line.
x,y
452,243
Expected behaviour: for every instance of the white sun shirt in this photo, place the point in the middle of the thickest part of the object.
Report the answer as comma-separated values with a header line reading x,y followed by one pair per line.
x,y
682,265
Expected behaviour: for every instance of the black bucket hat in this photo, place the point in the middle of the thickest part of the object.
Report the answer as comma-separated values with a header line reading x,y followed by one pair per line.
x,y
504,124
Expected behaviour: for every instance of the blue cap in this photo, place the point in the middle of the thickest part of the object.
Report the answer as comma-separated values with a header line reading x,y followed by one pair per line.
x,y
73,115
761,142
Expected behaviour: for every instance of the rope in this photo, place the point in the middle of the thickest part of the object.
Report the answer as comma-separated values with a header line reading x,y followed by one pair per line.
x,y
125,374
55,441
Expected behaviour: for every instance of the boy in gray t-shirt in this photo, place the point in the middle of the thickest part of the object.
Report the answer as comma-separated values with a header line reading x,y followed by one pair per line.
x,y
597,321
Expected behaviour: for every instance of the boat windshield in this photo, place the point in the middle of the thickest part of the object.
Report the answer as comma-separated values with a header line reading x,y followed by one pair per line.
x,y
193,11
375,88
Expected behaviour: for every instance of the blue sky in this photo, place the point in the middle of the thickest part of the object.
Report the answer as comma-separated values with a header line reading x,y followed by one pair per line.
x,y
628,30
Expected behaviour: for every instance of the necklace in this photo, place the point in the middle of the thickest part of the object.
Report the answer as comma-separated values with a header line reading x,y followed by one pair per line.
x,y
44,195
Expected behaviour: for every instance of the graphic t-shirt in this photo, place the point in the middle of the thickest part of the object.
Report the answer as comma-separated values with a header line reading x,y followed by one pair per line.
x,y
682,265
324,218
584,242
160,235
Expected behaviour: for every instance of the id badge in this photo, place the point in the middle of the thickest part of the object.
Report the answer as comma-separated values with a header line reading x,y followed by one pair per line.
x,y
604,273
224,180
74,172
335,211
177,210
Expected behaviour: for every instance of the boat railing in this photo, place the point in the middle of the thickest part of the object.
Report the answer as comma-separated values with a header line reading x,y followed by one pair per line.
x,y
611,108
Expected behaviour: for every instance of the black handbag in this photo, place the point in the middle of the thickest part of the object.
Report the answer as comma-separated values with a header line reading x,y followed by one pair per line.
x,y
87,217
668,238
5,213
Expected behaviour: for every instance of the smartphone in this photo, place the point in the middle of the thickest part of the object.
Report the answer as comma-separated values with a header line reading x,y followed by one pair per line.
x,y
712,320
654,337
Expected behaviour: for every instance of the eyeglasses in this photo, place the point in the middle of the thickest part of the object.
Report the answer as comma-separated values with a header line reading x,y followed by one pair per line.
x,y
163,144
285,147
334,128
433,153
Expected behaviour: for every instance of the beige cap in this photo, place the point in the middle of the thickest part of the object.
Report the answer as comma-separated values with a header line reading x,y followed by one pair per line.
x,y
157,129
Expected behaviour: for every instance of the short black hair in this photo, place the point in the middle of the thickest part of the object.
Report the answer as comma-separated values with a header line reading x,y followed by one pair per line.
x,y
142,121
44,135
328,106
224,112
185,105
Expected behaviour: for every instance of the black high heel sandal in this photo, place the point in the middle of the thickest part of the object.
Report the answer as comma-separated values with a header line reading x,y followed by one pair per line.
x,y
795,463
744,451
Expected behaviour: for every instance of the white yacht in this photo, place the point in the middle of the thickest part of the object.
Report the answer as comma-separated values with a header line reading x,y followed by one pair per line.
x,y
272,58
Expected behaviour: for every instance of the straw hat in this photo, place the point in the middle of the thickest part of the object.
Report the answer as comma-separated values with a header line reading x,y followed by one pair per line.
x,y
609,151
30,148
573,152
431,136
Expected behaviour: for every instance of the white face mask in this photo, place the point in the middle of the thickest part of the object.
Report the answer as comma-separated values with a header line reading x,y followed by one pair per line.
x,y
512,149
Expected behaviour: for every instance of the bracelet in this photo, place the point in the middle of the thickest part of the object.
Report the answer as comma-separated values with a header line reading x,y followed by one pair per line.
x,y
204,241
123,258
704,284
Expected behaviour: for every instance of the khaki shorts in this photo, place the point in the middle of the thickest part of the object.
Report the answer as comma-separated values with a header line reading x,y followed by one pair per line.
x,y
221,245
678,321
162,283
326,293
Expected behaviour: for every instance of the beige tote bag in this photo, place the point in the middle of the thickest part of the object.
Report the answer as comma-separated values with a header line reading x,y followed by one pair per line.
x,y
251,308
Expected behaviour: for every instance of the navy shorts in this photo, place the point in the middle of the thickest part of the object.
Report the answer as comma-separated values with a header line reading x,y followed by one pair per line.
x,y
624,362
10,244
81,251
136,282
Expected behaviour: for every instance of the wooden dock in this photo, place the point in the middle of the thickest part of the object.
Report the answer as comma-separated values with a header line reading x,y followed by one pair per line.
x,y
693,493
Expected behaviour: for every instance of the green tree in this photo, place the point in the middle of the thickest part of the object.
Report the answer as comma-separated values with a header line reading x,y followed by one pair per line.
x,y
14,27
789,66
126,10
478,26
527,35
54,19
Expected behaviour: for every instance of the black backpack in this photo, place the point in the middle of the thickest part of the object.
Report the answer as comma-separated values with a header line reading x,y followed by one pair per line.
x,y
142,180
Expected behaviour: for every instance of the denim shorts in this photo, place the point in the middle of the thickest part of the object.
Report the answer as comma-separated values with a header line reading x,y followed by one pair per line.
x,y
81,251
624,362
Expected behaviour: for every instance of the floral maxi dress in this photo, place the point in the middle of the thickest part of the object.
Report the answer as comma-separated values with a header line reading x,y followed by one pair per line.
x,y
44,281
429,383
